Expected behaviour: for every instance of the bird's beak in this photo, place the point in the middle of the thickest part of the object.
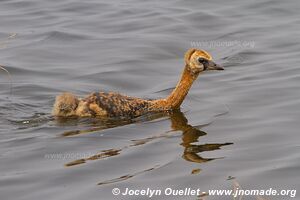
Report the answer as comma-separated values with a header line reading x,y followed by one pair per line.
x,y
213,66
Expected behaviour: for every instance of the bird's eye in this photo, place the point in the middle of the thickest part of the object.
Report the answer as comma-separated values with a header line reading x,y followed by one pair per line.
x,y
202,60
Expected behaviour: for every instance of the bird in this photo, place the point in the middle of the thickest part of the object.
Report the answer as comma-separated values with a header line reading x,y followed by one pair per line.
x,y
115,105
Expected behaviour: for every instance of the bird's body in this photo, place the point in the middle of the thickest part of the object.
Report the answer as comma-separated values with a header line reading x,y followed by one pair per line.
x,y
112,105
116,105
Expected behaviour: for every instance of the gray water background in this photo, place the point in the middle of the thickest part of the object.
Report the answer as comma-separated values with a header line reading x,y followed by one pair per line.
x,y
243,122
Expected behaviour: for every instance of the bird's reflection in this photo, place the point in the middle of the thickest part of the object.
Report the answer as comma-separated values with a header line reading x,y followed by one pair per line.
x,y
98,124
190,135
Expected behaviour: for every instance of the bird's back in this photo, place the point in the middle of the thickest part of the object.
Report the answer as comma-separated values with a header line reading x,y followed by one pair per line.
x,y
115,105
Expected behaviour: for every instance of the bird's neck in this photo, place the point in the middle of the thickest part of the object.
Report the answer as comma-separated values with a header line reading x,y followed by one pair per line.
x,y
175,99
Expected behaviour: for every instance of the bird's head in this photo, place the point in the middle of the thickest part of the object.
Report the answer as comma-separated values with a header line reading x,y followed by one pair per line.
x,y
197,61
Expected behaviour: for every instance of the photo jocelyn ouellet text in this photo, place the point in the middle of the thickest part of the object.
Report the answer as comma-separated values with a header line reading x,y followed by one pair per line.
x,y
197,192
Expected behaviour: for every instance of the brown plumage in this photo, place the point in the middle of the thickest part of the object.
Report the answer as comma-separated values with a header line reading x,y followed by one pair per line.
x,y
102,104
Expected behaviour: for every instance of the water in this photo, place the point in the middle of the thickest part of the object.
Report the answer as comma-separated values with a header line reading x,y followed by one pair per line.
x,y
237,127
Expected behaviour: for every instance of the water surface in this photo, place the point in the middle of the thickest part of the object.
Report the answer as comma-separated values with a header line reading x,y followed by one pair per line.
x,y
241,124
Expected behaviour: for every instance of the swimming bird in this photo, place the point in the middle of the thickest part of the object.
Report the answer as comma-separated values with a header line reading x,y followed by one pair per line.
x,y
115,105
